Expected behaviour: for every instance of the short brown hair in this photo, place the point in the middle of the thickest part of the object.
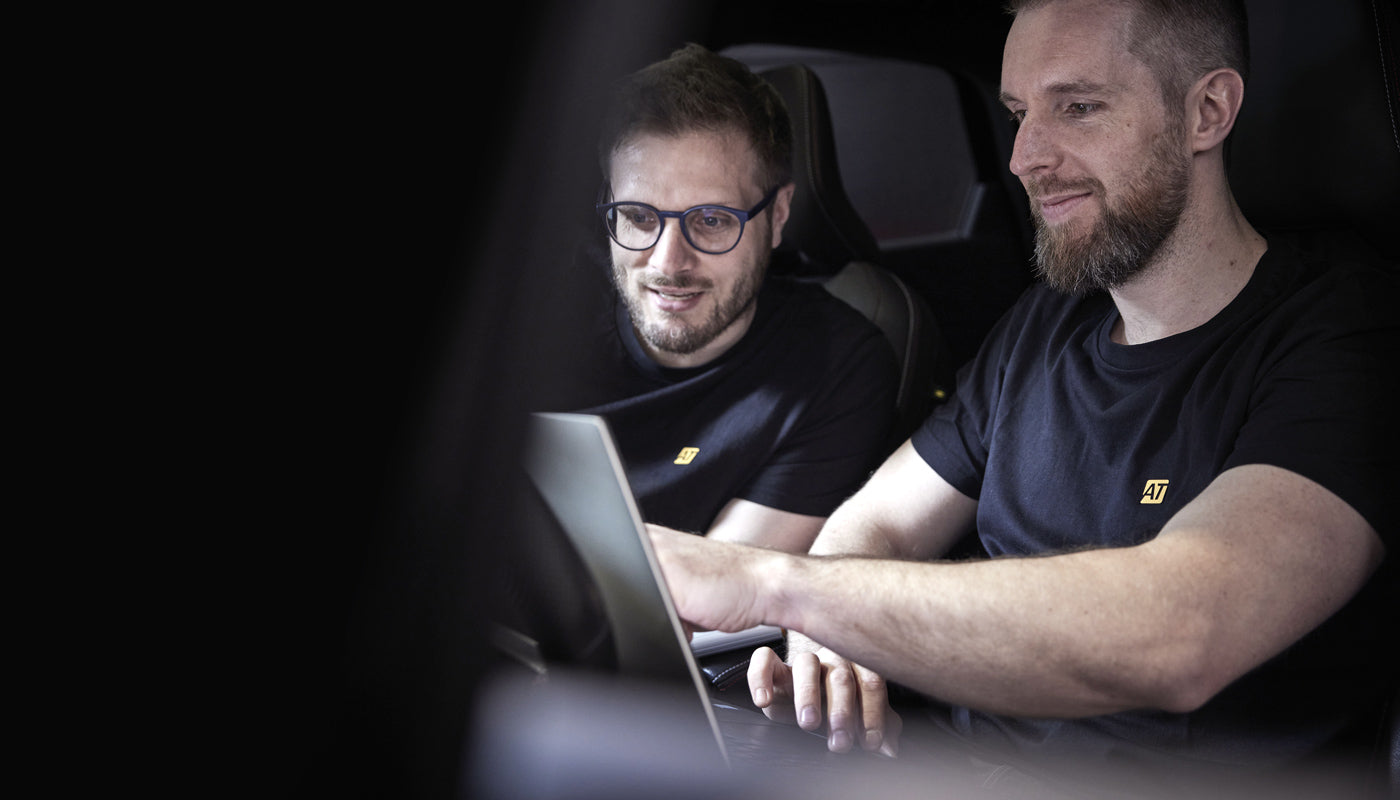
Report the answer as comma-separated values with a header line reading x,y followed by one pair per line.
x,y
1181,40
697,90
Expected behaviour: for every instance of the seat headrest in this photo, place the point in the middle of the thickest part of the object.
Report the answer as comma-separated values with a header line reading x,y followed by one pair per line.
x,y
1317,143
824,230
923,149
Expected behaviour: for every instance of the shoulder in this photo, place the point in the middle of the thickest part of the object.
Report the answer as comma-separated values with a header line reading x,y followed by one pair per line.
x,y
816,339
810,299
1331,273
806,309
1323,296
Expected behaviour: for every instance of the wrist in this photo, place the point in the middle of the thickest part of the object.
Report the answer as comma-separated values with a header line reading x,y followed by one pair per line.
x,y
798,643
776,578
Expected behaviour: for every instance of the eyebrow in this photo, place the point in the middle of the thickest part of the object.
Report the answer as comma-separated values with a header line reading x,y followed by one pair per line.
x,y
1064,88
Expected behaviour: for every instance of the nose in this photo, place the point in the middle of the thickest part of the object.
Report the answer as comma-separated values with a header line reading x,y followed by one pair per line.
x,y
1033,149
671,253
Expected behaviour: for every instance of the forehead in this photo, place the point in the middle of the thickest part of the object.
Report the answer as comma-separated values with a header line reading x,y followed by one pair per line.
x,y
1071,43
692,168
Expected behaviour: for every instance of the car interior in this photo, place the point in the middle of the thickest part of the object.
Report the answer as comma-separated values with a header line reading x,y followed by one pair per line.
x,y
905,209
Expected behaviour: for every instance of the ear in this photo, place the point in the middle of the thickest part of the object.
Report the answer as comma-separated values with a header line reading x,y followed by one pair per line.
x,y
1212,106
781,209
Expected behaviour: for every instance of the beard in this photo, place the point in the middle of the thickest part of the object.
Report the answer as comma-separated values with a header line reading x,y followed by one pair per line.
x,y
1128,237
666,332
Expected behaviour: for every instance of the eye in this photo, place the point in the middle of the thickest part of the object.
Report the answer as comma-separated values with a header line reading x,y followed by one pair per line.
x,y
1016,117
711,219
632,217
638,216
1081,109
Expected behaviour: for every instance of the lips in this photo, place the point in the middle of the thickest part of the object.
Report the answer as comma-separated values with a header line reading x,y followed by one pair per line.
x,y
674,299
1055,198
1056,207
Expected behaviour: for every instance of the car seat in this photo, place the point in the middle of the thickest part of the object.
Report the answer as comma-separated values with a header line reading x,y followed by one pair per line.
x,y
923,154
1315,155
1316,149
826,240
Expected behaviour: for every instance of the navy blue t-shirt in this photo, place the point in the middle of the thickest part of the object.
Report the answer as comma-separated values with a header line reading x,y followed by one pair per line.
x,y
794,416
1068,440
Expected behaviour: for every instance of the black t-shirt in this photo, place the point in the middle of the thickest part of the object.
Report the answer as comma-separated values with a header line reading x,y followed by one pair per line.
x,y
1068,440
794,416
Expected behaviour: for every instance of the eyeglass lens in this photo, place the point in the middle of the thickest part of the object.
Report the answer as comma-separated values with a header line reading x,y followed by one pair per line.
x,y
638,227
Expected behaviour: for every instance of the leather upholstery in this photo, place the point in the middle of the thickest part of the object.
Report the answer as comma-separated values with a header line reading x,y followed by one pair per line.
x,y
922,162
1317,143
827,240
824,229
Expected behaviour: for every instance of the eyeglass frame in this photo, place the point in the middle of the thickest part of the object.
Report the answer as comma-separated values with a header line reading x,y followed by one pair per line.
x,y
744,217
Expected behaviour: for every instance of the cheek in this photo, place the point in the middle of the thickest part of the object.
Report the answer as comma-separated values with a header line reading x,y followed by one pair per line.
x,y
732,266
745,268
626,260
758,242
623,267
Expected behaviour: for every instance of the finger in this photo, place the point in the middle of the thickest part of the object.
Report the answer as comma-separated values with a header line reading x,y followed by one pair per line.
x,y
894,726
876,714
807,690
770,682
842,707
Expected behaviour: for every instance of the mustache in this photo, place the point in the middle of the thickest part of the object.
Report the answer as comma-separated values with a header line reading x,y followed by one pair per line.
x,y
1037,188
661,281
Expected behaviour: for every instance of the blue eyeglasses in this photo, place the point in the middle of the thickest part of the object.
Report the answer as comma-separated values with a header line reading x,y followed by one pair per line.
x,y
710,229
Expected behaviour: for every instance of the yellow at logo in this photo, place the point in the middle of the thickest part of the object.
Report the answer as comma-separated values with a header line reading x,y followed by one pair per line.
x,y
1155,492
687,455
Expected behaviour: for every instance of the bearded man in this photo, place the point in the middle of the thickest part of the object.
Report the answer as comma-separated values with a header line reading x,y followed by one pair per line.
x,y
1178,448
746,407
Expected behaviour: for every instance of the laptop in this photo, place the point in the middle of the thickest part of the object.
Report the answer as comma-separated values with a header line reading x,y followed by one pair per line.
x,y
575,465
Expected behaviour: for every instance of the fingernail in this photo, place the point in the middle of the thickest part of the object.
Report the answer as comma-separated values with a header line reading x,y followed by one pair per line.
x,y
873,739
808,717
760,697
840,740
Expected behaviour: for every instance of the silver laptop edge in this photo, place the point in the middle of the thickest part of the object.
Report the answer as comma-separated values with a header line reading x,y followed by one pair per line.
x,y
574,463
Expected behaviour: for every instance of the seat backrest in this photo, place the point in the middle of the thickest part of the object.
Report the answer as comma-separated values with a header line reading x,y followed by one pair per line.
x,y
1317,143
923,157
826,240
1316,153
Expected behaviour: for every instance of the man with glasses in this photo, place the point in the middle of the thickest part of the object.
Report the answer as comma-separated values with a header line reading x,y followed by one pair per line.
x,y
745,406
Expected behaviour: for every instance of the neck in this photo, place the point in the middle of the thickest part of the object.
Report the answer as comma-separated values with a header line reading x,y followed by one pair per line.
x,y
1201,267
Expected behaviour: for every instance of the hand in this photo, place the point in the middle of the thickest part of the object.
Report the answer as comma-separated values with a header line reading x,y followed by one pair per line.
x,y
710,582
858,708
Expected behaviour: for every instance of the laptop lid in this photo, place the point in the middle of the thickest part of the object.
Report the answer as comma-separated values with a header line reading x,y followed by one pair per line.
x,y
574,463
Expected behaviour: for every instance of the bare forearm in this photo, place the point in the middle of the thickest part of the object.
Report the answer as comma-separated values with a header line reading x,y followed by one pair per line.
x,y
1017,636
1257,561
1063,636
882,521
905,511
746,522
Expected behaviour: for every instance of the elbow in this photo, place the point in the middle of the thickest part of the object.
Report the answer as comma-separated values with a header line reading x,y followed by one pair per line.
x,y
1174,668
1186,694
1187,679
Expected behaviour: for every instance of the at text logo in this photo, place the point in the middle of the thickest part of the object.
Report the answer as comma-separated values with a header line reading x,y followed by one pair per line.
x,y
1155,492
687,455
